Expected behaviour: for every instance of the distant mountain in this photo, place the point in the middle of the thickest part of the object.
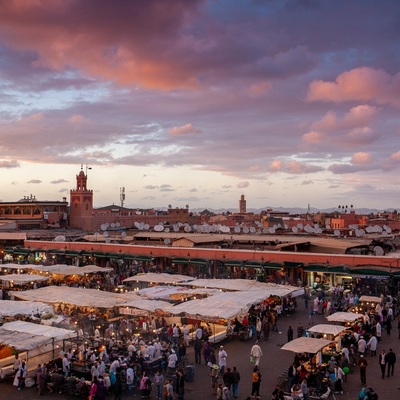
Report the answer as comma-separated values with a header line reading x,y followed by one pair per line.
x,y
294,210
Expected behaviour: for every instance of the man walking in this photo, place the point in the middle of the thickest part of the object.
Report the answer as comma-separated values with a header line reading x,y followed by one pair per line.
x,y
382,363
256,353
235,382
391,360
222,356
362,363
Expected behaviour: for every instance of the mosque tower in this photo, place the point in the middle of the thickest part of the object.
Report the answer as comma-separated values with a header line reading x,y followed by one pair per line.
x,y
81,204
242,205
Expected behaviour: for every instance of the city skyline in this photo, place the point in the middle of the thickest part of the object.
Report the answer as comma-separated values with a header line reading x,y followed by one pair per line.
x,y
290,103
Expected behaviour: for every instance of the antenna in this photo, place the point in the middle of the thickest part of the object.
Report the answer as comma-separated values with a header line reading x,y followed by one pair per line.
x,y
122,196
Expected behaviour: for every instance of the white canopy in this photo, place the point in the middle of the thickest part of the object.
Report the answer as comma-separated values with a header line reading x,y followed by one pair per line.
x,y
327,329
16,266
225,305
70,295
247,285
172,292
28,336
22,279
147,305
306,345
162,278
342,316
11,308
371,299
63,269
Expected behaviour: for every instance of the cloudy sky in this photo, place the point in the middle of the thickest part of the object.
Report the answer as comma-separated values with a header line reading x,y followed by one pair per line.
x,y
197,102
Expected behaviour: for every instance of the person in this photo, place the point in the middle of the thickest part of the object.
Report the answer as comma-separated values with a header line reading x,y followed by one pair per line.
x,y
159,382
388,326
222,356
266,328
339,375
258,328
372,344
278,393
227,378
168,390
93,389
235,382
40,380
16,364
290,334
214,374
256,381
66,364
300,330
256,353
198,346
20,376
180,384
391,360
101,392
219,391
372,395
186,335
292,375
172,360
145,385
311,315
362,363
226,394
363,394
382,363
129,378
304,388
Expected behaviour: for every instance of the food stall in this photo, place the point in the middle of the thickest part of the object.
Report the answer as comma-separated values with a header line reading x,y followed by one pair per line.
x,y
329,332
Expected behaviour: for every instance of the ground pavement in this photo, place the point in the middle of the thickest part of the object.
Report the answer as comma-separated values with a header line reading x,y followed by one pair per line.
x,y
273,363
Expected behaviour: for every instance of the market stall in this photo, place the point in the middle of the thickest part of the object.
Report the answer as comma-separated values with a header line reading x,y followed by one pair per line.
x,y
37,343
141,281
344,317
329,332
11,280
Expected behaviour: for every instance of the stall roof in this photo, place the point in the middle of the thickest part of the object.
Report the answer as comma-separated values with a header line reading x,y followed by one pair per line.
x,y
371,299
76,296
327,329
22,279
12,308
16,266
246,284
164,278
63,269
306,345
28,336
225,305
342,316
146,304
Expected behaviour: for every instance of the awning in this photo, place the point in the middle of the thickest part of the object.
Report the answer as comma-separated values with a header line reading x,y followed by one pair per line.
x,y
233,263
316,268
270,265
99,254
306,345
114,255
59,252
198,261
251,264
341,316
86,253
327,329
21,252
143,258
72,253
291,264
180,261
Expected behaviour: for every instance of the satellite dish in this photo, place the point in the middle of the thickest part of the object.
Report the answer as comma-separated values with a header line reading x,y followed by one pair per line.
x,y
271,230
388,229
300,226
123,234
103,227
226,229
369,229
117,224
167,241
158,228
336,232
105,234
378,251
166,230
138,212
237,229
295,229
286,226
108,240
328,227
141,226
246,230
146,226
60,239
265,230
112,225
362,232
187,228
252,230
384,233
107,225
176,228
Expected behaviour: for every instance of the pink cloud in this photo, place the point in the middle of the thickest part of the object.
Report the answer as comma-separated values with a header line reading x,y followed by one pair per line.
x,y
186,129
9,164
359,84
293,167
361,158
313,137
77,119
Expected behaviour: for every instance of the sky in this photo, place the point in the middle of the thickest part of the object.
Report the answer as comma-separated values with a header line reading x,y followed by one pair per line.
x,y
289,102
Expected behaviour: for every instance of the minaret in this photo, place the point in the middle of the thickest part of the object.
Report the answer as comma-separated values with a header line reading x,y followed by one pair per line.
x,y
81,204
242,205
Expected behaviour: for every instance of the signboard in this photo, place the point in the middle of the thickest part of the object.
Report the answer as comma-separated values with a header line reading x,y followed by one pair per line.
x,y
133,312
